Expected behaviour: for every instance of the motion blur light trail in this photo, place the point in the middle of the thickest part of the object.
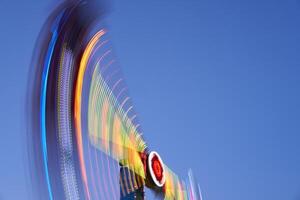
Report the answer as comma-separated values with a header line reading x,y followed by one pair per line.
x,y
85,138
43,102
77,111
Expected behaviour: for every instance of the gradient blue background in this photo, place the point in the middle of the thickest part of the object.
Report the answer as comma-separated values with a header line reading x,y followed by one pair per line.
x,y
216,85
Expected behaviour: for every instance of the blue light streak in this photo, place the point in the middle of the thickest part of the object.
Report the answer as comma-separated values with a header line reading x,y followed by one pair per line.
x,y
45,74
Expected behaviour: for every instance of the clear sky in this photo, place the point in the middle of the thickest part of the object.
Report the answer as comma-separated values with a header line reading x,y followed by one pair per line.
x,y
216,85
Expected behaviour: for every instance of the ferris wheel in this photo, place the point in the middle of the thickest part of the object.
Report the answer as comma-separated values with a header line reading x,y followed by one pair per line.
x,y
86,141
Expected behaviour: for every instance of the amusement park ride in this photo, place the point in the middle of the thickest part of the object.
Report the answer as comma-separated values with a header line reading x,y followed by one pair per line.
x,y
85,139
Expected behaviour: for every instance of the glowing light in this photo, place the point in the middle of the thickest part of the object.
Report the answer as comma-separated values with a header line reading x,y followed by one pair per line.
x,y
77,105
43,101
122,142
157,168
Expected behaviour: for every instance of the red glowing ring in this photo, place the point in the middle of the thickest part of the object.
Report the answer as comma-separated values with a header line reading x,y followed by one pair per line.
x,y
156,168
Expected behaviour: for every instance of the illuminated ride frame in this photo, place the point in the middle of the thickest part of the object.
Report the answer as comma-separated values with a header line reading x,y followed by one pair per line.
x,y
85,141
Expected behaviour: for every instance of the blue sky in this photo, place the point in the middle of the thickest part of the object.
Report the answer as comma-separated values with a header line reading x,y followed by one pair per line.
x,y
216,85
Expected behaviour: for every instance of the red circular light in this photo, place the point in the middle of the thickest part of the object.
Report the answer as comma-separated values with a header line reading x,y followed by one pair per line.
x,y
157,168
